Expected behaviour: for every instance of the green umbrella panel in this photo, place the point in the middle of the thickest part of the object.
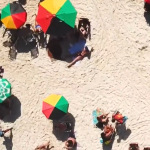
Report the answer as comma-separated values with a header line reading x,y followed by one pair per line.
x,y
5,89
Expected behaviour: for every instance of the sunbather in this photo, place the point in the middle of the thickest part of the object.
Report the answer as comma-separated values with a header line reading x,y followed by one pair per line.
x,y
103,118
80,56
107,134
119,118
84,27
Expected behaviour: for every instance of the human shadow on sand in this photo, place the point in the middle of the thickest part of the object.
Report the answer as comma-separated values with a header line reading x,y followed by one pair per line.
x,y
8,142
62,136
15,110
147,17
122,132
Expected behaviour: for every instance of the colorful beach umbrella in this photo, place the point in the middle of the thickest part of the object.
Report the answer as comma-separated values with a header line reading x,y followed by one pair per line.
x,y
5,89
55,107
13,16
56,17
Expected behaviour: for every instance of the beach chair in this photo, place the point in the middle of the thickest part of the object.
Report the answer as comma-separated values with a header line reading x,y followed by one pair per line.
x,y
133,146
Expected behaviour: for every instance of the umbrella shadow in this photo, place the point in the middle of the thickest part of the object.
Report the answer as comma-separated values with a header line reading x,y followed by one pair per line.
x,y
15,110
55,48
22,2
147,17
63,136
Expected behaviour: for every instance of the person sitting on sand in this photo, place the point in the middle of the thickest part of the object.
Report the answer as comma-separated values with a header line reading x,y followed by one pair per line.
x,y
44,146
103,119
37,27
42,37
84,27
119,118
107,133
2,132
80,56
70,143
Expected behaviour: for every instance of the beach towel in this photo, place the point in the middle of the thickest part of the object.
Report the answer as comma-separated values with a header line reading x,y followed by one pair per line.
x,y
77,47
95,114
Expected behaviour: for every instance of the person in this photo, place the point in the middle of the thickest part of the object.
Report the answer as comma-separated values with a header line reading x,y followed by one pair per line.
x,y
71,142
133,146
80,56
37,28
84,27
107,134
103,118
42,37
147,5
44,146
2,132
119,118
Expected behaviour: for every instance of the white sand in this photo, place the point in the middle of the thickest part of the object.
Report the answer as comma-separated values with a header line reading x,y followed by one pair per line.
x,y
116,77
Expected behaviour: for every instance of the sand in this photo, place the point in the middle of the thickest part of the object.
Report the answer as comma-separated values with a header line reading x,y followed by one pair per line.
x,y
116,77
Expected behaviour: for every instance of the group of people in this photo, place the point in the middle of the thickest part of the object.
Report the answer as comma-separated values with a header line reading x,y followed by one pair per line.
x,y
108,130
135,146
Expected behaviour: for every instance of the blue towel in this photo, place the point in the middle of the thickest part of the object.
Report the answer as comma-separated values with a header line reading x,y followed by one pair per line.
x,y
95,114
77,47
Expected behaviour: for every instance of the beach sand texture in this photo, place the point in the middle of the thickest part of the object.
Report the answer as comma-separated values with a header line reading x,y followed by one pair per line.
x,y
116,77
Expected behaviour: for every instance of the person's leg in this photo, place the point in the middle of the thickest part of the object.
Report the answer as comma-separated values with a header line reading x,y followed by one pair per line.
x,y
75,60
5,131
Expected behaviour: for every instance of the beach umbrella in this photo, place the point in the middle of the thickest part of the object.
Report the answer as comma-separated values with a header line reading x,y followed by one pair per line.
x,y
55,107
56,17
5,89
13,16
